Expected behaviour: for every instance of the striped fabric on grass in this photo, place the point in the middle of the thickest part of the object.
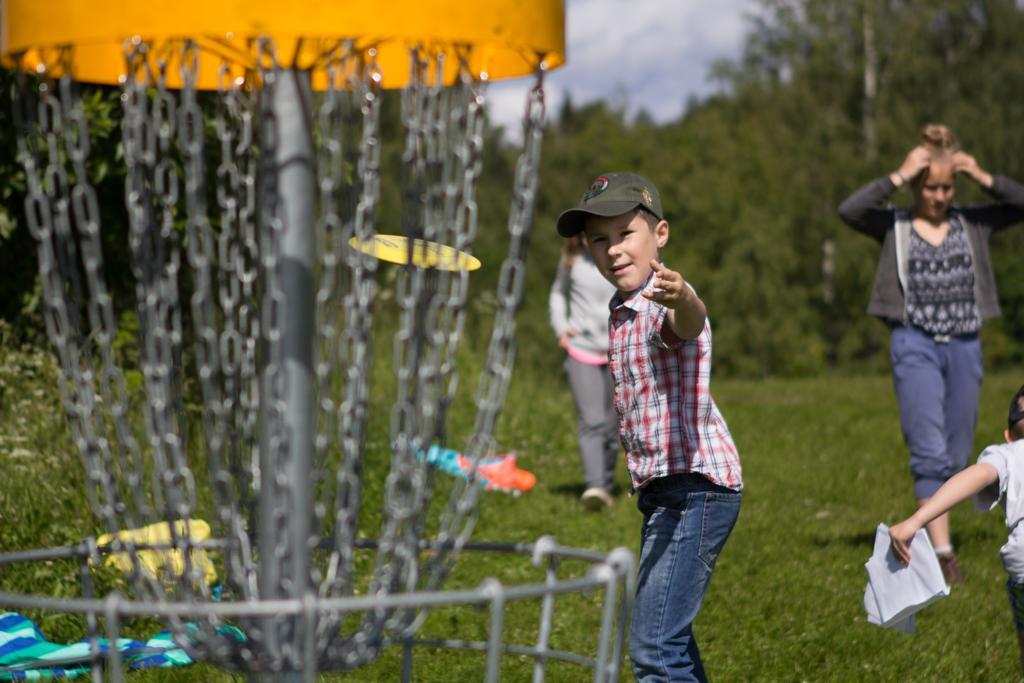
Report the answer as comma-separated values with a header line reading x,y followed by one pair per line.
x,y
26,655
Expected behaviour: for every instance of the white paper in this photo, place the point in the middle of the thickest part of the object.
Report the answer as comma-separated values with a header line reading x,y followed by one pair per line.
x,y
895,591
907,625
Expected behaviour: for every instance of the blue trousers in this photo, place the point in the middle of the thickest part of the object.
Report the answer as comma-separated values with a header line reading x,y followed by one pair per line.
x,y
687,520
937,385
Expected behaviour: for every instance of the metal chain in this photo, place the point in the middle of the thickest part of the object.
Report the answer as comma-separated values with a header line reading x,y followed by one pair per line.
x,y
337,119
460,212
355,356
151,195
235,420
40,129
412,427
460,517
58,211
356,95
454,151
462,167
224,272
85,213
130,463
202,261
395,557
139,145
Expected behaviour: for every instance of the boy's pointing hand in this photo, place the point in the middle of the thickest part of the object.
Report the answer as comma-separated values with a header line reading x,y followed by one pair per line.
x,y
669,287
686,311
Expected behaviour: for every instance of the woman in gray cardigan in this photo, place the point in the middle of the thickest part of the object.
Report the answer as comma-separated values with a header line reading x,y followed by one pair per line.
x,y
934,286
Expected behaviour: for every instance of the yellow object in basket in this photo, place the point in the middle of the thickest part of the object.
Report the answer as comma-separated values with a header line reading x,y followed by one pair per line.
x,y
163,564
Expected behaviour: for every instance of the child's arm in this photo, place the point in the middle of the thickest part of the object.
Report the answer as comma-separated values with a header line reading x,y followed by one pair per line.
x,y
957,489
686,312
558,306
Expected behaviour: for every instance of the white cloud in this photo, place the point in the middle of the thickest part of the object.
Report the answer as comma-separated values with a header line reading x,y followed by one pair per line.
x,y
644,54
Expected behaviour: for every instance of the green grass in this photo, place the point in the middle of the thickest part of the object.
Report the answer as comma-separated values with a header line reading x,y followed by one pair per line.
x,y
823,464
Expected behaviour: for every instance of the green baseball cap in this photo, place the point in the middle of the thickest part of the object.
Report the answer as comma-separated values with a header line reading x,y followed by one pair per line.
x,y
611,194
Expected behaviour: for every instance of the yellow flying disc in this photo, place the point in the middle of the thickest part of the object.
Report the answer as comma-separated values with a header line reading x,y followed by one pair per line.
x,y
395,249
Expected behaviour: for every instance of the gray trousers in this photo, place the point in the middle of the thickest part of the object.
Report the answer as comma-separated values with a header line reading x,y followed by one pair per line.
x,y
598,425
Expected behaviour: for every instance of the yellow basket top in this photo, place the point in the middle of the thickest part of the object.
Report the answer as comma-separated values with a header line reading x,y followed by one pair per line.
x,y
496,38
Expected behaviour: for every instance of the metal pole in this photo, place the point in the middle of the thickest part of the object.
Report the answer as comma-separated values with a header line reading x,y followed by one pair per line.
x,y
294,167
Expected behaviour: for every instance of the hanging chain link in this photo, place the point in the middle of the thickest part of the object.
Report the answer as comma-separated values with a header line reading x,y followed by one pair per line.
x,y
460,516
449,132
354,348
352,104
64,217
235,416
50,218
151,195
460,213
398,551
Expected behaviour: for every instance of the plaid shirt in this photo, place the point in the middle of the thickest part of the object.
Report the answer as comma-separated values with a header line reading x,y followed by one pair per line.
x,y
668,422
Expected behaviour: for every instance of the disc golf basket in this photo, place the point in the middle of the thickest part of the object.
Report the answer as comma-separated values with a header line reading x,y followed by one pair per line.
x,y
251,139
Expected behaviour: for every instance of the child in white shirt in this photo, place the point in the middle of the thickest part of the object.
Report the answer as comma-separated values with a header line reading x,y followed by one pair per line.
x,y
997,477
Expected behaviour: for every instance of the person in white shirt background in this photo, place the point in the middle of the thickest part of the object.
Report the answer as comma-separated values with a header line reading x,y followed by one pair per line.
x,y
578,312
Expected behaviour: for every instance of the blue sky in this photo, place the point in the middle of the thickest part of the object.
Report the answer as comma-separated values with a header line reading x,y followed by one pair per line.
x,y
656,56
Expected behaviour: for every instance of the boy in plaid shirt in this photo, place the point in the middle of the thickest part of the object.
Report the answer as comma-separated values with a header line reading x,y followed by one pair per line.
x,y
679,452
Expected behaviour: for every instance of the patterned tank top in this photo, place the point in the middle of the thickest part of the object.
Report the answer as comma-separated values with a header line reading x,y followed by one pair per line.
x,y
940,291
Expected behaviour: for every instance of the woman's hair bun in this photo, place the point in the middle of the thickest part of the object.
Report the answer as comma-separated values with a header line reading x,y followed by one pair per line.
x,y
939,138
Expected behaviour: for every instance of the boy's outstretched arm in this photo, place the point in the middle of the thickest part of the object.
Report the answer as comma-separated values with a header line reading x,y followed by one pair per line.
x,y
686,312
957,489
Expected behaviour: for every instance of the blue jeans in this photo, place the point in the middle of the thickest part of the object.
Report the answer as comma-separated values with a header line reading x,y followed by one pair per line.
x,y
937,385
687,520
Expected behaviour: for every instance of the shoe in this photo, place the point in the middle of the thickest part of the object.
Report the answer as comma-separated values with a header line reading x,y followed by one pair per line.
x,y
950,568
596,499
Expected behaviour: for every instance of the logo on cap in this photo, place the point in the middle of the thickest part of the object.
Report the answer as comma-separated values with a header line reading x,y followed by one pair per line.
x,y
646,195
597,187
